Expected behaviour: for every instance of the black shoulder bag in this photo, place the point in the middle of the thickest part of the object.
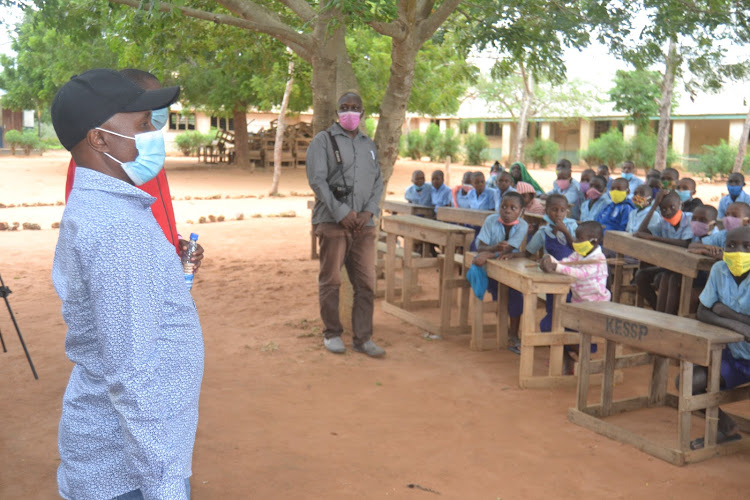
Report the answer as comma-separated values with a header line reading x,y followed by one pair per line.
x,y
339,192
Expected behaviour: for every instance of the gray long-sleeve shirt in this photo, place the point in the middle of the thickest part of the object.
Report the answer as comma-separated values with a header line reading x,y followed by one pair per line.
x,y
361,172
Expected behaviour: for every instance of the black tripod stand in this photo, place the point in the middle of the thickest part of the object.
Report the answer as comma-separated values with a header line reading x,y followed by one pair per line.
x,y
4,292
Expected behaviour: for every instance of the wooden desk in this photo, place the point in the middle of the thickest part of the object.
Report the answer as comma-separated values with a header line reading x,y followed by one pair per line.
x,y
463,215
670,257
661,336
406,208
529,281
448,236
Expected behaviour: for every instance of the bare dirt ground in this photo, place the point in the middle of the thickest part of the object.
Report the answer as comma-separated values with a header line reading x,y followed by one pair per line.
x,y
282,418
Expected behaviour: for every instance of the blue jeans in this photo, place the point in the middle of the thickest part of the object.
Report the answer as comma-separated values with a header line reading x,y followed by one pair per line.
x,y
137,495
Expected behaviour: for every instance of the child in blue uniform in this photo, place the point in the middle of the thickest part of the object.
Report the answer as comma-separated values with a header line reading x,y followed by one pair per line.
x,y
735,183
686,190
419,193
595,201
568,187
441,194
628,173
642,199
504,185
502,237
614,217
461,193
482,197
725,302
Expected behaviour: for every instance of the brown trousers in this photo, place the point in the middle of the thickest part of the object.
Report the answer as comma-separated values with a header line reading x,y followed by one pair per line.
x,y
356,251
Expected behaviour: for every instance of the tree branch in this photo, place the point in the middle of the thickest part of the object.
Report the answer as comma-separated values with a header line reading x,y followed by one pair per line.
x,y
424,9
428,27
255,18
391,29
301,8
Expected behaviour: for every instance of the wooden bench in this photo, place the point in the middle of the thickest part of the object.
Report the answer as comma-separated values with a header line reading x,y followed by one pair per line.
x,y
661,337
406,208
463,215
670,257
448,236
529,281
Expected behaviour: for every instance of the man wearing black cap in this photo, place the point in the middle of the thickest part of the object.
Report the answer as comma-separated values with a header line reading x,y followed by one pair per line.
x,y
130,410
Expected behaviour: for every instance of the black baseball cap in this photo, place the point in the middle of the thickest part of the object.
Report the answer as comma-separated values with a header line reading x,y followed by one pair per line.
x,y
91,98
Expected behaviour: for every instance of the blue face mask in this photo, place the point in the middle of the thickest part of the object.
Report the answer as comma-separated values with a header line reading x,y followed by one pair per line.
x,y
627,176
150,159
684,195
734,191
159,118
654,192
548,220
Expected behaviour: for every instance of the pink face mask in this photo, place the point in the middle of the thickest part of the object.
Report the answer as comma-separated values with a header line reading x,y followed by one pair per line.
x,y
731,222
349,120
563,184
593,194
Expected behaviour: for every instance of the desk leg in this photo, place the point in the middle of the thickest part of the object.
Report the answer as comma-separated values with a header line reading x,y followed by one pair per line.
x,y
477,325
390,268
685,293
712,413
659,380
450,270
608,382
410,274
528,320
685,416
502,316
556,352
584,367
617,284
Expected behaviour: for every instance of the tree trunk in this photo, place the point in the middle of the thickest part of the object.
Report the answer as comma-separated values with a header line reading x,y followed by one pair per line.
x,y
280,128
523,117
742,146
665,107
241,146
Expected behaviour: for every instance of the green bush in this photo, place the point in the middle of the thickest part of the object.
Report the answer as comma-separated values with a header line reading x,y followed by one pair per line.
x,y
718,160
14,139
542,152
30,140
189,142
450,143
370,125
475,146
608,148
641,150
432,139
414,145
51,143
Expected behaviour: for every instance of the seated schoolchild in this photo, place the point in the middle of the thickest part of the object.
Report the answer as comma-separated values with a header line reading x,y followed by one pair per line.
x,y
725,302
461,192
735,183
495,171
531,204
595,201
603,171
519,173
674,229
482,197
556,238
653,179
591,279
669,179
628,173
585,180
642,199
568,187
441,194
419,193
707,238
686,190
504,185
502,237
614,216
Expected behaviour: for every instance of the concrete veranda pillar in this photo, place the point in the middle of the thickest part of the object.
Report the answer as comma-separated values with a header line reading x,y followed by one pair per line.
x,y
681,140
507,135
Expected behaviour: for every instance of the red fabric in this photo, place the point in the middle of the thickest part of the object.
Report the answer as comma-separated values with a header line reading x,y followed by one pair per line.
x,y
162,207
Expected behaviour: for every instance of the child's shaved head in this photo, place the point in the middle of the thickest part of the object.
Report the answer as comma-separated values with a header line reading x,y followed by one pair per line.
x,y
590,230
620,184
738,209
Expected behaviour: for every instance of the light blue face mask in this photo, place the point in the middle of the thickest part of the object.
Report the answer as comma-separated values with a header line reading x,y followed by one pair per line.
x,y
159,118
150,159
684,195
627,176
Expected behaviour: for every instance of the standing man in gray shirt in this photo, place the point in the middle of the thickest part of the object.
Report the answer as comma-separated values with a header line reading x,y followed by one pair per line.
x,y
344,173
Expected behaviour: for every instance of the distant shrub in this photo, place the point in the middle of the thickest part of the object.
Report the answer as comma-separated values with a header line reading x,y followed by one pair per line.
x,y
641,150
542,152
718,160
608,148
432,139
475,146
189,142
14,138
450,143
414,145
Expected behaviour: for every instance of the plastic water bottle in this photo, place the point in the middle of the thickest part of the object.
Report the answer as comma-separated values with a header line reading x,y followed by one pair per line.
x,y
187,266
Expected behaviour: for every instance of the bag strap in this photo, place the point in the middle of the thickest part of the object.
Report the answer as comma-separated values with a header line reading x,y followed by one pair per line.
x,y
337,156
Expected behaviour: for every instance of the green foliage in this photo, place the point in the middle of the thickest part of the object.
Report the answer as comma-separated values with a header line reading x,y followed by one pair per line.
x,y
542,152
608,148
641,150
14,139
27,140
432,139
476,146
189,142
370,125
450,143
637,93
414,146
718,160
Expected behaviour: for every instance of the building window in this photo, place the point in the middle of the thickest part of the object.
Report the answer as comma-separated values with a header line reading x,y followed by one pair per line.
x,y
178,121
492,129
222,123
601,128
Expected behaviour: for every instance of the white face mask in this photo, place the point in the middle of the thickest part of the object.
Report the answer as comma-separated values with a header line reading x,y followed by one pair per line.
x,y
150,159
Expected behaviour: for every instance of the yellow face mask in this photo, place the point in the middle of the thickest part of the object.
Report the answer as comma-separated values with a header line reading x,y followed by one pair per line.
x,y
737,262
584,247
618,196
